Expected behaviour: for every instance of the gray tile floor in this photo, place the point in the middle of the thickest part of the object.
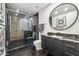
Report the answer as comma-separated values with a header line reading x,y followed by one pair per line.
x,y
27,51
19,43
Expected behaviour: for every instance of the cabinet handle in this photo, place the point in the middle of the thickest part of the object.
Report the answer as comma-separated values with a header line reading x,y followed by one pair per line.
x,y
70,46
69,53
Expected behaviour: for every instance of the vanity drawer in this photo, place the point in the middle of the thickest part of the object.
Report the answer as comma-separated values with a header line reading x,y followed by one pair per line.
x,y
72,51
68,54
72,45
72,48
47,43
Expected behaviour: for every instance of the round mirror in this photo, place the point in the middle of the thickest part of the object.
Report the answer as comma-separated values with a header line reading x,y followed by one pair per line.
x,y
63,16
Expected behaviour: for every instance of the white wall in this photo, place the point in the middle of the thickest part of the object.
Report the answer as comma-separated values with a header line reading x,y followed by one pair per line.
x,y
44,19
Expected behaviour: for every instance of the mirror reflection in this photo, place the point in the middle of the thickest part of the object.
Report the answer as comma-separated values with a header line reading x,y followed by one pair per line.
x,y
63,16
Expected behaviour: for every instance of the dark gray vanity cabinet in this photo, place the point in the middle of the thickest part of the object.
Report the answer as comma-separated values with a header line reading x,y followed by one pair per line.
x,y
71,48
58,47
47,44
53,46
43,44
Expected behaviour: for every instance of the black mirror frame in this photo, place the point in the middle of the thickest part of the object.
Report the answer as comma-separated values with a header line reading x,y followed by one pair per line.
x,y
57,7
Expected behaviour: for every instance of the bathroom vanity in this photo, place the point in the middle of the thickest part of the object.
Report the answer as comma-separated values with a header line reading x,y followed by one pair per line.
x,y
60,45
62,18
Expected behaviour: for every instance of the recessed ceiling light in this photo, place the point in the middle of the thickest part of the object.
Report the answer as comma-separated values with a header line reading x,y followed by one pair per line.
x,y
16,14
56,13
17,10
25,20
65,9
30,13
36,6
25,17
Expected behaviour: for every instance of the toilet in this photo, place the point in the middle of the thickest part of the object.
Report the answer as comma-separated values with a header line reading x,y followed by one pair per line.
x,y
37,44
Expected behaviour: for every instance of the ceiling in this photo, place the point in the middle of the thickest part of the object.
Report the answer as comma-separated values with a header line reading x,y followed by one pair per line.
x,y
27,8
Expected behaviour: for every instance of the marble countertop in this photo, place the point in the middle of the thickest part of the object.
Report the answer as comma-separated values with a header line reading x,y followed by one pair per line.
x,y
61,38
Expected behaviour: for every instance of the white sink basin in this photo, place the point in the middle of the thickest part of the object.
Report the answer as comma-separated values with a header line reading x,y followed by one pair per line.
x,y
58,37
